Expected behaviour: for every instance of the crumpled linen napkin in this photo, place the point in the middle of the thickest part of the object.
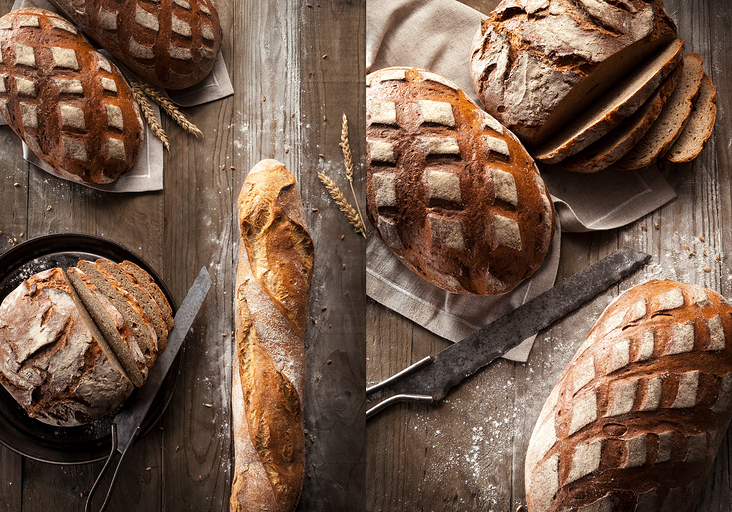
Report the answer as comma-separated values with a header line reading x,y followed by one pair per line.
x,y
147,174
437,35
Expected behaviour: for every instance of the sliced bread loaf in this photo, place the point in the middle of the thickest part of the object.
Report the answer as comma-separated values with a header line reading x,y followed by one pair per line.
x,y
611,147
143,298
620,102
670,123
146,281
112,325
132,313
699,127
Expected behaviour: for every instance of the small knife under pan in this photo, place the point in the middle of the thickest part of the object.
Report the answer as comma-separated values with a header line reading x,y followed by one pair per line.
x,y
126,425
430,379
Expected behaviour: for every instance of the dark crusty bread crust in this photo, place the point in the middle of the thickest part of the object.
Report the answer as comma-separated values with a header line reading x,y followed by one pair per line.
x,y
450,191
671,121
271,309
55,367
143,298
170,43
68,103
111,324
146,281
621,102
699,127
635,420
613,146
536,65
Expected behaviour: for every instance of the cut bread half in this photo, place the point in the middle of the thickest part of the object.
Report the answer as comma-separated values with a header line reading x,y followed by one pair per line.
x,y
670,123
699,128
134,316
143,298
112,326
146,281
613,146
620,102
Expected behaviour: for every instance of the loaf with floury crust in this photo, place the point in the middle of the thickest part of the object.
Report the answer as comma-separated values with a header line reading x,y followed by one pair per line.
x,y
53,359
537,64
170,43
271,304
449,190
65,100
636,419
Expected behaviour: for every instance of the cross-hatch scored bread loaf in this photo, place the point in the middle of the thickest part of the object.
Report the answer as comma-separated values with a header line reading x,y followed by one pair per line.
x,y
271,304
68,351
170,43
68,103
450,191
635,420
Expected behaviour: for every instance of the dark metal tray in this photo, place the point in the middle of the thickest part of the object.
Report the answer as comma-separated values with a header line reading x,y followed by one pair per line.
x,y
86,443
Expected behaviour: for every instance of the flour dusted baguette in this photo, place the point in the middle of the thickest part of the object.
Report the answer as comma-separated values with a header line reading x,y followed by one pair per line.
x,y
637,417
68,103
271,309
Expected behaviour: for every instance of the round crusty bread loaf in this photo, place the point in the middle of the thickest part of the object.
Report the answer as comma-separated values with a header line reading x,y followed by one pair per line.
x,y
170,43
50,361
536,65
450,191
67,102
635,420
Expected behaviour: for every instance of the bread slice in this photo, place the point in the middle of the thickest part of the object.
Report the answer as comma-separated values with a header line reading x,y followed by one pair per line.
x,y
699,127
143,298
613,146
132,313
620,102
112,326
670,123
146,281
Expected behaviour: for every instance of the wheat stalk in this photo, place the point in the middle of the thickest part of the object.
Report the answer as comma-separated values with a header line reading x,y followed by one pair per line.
x,y
147,111
346,147
353,217
171,109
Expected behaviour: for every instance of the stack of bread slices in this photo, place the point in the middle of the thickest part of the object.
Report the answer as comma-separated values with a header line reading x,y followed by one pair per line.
x,y
75,343
590,85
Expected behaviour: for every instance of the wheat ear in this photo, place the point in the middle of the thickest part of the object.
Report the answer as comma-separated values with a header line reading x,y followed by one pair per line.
x,y
353,218
147,111
171,109
346,147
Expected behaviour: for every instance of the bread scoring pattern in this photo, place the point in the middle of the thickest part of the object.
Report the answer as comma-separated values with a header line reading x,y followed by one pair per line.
x,y
65,100
449,190
171,43
651,385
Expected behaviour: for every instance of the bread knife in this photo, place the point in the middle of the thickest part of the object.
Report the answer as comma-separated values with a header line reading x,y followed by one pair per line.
x,y
430,379
126,424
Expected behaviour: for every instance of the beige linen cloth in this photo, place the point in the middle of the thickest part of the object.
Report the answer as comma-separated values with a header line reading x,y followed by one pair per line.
x,y
437,35
147,174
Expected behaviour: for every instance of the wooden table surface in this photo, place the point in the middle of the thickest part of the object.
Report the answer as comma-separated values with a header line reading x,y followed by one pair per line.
x,y
468,452
296,69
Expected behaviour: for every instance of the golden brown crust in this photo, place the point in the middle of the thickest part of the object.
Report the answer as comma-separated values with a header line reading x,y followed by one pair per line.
x,y
271,311
636,418
67,102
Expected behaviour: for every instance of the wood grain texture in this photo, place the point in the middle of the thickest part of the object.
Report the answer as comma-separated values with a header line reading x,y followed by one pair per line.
x,y
468,453
283,89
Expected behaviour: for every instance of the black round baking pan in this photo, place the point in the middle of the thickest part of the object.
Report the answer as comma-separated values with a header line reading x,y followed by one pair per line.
x,y
85,443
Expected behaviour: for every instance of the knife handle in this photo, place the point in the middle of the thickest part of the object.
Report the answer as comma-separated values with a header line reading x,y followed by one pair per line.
x,y
112,453
401,397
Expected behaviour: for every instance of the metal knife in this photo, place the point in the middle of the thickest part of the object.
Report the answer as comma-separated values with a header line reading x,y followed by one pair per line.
x,y
430,379
126,425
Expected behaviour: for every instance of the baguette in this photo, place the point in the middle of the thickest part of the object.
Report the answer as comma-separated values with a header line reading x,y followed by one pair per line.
x,y
271,304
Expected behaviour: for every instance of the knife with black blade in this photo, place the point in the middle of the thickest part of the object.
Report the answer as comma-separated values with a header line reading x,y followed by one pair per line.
x,y
430,379
126,424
